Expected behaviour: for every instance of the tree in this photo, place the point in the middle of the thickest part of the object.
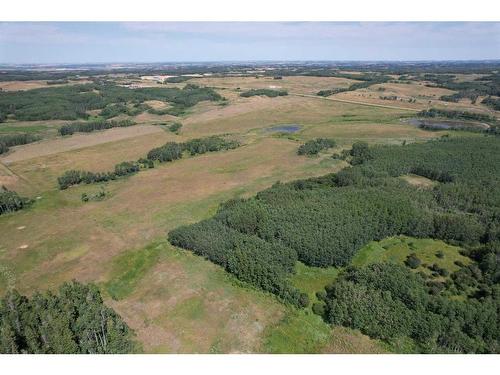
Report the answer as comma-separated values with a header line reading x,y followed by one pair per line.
x,y
73,321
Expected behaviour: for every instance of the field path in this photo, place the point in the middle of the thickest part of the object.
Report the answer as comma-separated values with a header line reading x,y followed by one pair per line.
x,y
334,99
354,102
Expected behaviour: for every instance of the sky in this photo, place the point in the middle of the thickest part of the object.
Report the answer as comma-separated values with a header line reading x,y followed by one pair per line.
x,y
106,42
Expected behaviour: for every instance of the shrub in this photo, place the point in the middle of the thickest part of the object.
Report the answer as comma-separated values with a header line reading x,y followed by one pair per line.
x,y
168,152
360,153
10,201
413,261
175,127
264,92
313,147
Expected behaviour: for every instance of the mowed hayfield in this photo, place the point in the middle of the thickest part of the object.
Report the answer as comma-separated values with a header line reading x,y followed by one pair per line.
x,y
174,300
298,84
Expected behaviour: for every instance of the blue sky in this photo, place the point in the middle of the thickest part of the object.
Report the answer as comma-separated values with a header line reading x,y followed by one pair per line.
x,y
77,42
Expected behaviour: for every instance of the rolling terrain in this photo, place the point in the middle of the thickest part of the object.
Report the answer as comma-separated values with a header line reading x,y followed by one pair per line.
x,y
176,301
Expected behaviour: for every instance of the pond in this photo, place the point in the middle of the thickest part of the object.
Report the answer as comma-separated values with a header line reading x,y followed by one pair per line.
x,y
446,124
285,128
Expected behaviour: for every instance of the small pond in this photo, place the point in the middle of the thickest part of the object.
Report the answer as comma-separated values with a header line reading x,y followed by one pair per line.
x,y
446,124
285,128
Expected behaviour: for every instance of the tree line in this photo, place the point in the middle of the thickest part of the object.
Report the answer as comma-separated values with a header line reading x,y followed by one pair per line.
x,y
9,140
166,153
76,177
459,115
173,151
263,92
74,320
91,126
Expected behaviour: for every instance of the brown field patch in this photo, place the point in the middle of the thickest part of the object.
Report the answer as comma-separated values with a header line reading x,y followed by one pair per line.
x,y
157,104
194,308
41,173
34,84
260,112
126,220
299,84
348,341
419,181
22,85
77,141
146,118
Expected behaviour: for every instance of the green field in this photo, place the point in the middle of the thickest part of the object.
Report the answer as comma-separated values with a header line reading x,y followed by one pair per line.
x,y
397,249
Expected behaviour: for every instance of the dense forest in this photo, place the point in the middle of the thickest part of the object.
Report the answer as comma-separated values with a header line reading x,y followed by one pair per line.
x,y
72,102
324,221
166,153
73,321
390,302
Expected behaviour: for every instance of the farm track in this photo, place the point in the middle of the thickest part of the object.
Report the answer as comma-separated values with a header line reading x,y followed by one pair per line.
x,y
9,172
333,99
354,102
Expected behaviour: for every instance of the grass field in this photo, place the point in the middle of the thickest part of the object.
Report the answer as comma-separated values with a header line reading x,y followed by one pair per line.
x,y
397,249
175,301
305,333
313,279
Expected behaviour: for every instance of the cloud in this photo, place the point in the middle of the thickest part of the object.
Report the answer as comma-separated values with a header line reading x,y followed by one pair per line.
x,y
202,41
41,32
379,32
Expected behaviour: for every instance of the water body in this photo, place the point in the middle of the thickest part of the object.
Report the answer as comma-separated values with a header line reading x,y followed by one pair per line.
x,y
285,128
446,124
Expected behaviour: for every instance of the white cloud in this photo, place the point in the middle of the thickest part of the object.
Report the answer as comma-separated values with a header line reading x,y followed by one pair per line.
x,y
42,32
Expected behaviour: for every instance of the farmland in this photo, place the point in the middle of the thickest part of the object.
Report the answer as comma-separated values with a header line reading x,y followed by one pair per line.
x,y
179,302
